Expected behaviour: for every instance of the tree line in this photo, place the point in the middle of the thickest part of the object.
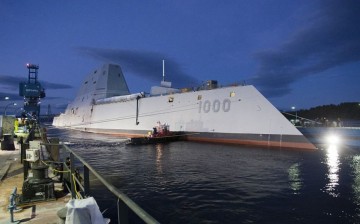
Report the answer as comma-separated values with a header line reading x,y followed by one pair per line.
x,y
344,111
343,114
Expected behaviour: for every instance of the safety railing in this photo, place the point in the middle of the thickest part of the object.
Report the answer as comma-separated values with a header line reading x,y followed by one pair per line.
x,y
124,203
72,176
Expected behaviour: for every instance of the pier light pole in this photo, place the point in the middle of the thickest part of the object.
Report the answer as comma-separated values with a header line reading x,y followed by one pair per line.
x,y
17,110
294,109
13,104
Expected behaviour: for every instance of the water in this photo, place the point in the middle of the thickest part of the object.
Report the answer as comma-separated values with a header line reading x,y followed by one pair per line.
x,y
187,182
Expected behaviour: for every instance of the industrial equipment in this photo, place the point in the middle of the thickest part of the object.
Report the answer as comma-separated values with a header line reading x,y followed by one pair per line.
x,y
37,186
32,91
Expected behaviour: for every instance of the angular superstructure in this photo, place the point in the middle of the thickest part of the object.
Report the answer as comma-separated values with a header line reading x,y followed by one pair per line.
x,y
233,114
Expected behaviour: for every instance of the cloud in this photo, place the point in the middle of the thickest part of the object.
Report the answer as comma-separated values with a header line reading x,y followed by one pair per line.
x,y
331,39
145,64
50,85
12,83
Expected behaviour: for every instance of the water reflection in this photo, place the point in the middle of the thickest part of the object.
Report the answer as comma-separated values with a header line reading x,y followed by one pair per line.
x,y
356,184
294,178
333,163
159,155
200,183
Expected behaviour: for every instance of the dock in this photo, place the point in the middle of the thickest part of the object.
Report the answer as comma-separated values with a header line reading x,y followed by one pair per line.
x,y
37,198
11,176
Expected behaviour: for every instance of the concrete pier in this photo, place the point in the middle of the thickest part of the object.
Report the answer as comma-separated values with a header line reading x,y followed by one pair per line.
x,y
11,176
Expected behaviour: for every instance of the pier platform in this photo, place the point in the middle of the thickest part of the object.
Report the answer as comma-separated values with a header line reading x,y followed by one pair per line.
x,y
11,176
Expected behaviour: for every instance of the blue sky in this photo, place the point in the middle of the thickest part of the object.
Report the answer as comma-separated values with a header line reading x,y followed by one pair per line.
x,y
297,53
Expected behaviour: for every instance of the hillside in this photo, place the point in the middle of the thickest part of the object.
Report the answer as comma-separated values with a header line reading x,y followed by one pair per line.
x,y
344,112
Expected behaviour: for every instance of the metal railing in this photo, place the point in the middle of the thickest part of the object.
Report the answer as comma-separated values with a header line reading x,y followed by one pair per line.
x,y
123,201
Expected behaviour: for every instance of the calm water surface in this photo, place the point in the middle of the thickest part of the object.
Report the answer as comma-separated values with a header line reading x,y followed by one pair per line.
x,y
187,182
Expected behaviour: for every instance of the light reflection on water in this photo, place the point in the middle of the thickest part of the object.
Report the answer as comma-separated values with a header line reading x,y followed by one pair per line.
x,y
295,178
333,163
159,154
356,173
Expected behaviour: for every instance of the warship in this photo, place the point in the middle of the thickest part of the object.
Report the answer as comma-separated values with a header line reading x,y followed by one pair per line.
x,y
235,114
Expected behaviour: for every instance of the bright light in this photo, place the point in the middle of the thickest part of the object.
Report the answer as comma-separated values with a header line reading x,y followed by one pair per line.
x,y
333,139
333,164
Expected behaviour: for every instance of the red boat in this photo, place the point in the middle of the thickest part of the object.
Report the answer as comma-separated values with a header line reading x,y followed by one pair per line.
x,y
160,134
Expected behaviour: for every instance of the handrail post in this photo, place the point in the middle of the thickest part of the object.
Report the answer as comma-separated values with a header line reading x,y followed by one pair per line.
x,y
22,150
26,164
86,181
72,171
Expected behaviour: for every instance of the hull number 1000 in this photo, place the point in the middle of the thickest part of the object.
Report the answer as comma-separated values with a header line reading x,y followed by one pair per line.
x,y
214,106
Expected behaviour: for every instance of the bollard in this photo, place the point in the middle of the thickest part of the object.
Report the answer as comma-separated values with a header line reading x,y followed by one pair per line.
x,y
8,143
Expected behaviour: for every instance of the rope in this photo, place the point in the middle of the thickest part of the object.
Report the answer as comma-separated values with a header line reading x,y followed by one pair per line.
x,y
73,178
76,192
60,171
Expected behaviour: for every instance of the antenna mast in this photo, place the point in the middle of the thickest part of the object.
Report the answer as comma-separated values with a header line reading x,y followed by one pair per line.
x,y
163,70
163,82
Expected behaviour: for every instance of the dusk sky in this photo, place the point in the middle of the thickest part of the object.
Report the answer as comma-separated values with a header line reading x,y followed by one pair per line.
x,y
296,53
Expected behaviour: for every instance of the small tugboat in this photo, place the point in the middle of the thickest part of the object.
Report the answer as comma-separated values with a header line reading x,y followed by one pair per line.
x,y
161,133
